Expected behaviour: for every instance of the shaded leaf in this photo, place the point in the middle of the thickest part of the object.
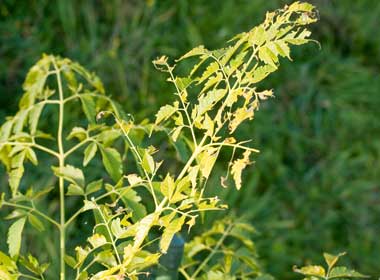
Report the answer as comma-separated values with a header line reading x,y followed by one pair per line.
x,y
112,162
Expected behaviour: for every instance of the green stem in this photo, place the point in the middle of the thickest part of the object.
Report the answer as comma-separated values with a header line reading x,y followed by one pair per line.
x,y
61,159
32,144
32,210
28,276
113,242
213,252
136,153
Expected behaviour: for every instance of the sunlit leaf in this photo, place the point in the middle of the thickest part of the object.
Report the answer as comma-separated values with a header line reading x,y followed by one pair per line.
x,y
14,237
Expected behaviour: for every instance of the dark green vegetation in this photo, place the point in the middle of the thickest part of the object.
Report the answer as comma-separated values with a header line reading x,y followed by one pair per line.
x,y
315,185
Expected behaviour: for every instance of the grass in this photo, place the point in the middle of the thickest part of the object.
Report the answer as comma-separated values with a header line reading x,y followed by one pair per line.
x,y
315,185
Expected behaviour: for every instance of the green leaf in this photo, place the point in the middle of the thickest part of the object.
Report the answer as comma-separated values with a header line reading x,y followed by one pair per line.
x,y
2,199
97,240
332,259
207,160
31,264
112,162
132,200
31,155
77,132
71,174
168,234
257,35
267,56
20,120
282,49
89,107
116,228
183,83
148,162
9,265
36,222
200,50
311,270
106,258
14,237
88,205
207,101
94,186
70,261
34,116
167,187
143,228
14,178
6,129
89,153
108,137
344,272
164,113
210,70
74,189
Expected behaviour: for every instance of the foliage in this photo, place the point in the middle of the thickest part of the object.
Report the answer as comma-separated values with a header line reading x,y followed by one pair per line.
x,y
223,83
314,272
222,252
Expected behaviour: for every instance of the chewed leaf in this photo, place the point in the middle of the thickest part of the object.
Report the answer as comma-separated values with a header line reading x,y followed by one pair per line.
x,y
165,112
312,270
97,240
201,50
238,167
169,232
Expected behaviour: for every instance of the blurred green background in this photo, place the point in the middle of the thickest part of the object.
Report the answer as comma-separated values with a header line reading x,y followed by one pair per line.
x,y
315,184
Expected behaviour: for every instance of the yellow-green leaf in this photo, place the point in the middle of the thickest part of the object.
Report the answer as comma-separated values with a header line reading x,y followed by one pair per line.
x,y
168,234
311,270
14,237
89,153
238,167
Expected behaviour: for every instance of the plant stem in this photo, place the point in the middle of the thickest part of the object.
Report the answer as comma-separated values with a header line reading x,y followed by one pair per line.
x,y
214,250
61,159
32,210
